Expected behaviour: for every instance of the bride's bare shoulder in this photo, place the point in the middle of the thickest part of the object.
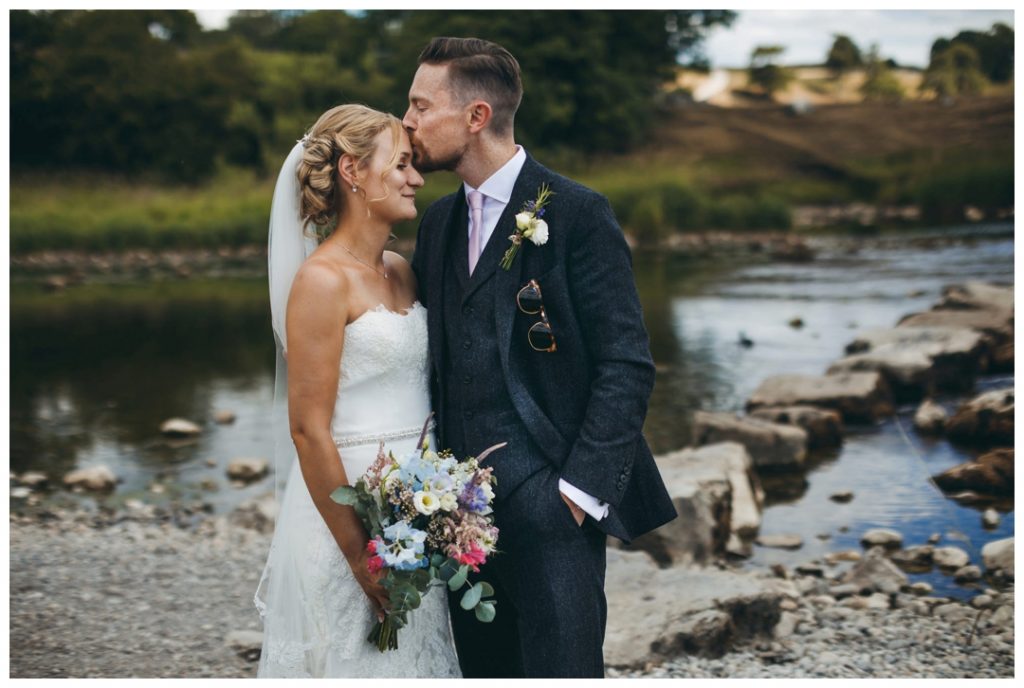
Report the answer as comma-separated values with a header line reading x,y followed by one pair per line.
x,y
319,277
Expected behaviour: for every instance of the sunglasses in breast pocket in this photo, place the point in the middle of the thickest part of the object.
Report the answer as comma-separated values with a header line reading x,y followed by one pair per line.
x,y
531,302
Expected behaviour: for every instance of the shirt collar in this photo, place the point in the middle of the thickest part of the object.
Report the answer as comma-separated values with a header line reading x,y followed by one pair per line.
x,y
500,184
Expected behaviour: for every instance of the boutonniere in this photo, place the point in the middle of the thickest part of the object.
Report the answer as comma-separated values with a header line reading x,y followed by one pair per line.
x,y
529,225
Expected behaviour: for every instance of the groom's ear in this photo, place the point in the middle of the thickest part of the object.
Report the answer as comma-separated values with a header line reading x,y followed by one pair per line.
x,y
478,115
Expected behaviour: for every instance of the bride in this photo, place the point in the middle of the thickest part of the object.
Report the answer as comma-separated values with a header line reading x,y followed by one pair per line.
x,y
353,342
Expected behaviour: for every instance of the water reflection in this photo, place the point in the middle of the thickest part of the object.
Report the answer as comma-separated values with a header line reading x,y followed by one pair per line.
x,y
96,369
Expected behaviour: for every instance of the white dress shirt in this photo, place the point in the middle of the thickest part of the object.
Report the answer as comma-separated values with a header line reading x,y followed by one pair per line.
x,y
497,191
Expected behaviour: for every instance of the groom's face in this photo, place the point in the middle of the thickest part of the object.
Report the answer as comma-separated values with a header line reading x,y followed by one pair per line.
x,y
438,125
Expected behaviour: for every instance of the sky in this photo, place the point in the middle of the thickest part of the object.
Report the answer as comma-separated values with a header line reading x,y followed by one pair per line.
x,y
904,35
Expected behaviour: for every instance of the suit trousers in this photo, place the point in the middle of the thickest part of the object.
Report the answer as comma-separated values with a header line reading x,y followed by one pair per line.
x,y
548,576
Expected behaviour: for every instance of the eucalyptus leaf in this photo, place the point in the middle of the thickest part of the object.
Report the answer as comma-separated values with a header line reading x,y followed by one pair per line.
x,y
485,612
404,596
346,495
421,579
448,568
471,597
487,589
459,579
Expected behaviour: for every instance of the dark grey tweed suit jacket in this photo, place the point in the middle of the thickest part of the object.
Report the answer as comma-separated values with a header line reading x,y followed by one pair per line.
x,y
585,404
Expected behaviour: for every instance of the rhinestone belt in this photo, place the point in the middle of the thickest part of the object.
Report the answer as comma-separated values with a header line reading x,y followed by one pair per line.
x,y
356,440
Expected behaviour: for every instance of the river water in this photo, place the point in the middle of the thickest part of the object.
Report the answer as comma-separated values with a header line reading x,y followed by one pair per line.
x,y
95,370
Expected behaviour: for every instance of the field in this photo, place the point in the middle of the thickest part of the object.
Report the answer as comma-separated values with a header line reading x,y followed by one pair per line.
x,y
705,167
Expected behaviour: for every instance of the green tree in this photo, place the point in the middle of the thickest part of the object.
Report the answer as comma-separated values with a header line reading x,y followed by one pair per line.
x,y
954,71
994,48
879,81
843,56
765,73
589,78
147,91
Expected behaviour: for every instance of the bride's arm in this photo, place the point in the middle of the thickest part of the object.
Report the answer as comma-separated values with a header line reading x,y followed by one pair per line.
x,y
316,317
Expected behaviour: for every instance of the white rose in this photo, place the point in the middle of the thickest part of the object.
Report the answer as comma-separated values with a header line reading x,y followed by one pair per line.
x,y
425,502
523,220
449,502
539,235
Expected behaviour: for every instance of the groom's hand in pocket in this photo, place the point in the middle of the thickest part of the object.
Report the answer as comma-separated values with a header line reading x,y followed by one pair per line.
x,y
577,513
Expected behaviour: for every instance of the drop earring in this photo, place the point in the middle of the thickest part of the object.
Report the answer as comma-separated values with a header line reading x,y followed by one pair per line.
x,y
353,188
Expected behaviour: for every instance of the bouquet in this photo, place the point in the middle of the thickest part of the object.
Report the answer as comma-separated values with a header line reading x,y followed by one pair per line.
x,y
430,522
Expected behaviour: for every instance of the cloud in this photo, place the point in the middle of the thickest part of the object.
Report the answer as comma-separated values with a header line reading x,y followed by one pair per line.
x,y
904,35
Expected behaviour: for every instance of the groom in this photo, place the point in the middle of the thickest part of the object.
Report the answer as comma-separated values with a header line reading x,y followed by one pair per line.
x,y
549,355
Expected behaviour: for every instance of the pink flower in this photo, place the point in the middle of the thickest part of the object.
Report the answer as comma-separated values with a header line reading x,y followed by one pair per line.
x,y
374,564
474,556
371,546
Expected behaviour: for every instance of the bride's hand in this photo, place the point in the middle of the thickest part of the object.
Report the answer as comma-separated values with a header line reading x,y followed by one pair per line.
x,y
369,582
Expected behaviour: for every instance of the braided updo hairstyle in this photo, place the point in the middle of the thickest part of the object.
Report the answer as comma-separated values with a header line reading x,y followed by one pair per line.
x,y
351,129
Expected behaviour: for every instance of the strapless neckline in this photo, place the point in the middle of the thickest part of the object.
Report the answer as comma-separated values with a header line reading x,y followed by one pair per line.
x,y
381,309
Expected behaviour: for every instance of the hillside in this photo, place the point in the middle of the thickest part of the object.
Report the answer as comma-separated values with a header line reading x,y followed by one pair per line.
x,y
867,151
814,85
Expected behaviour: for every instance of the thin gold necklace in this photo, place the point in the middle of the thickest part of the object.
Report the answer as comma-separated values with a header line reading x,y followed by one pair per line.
x,y
385,273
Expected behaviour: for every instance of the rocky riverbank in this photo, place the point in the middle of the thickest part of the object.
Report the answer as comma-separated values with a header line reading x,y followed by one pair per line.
x,y
57,270
130,594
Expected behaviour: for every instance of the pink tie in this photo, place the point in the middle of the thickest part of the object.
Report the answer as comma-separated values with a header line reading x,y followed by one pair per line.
x,y
476,228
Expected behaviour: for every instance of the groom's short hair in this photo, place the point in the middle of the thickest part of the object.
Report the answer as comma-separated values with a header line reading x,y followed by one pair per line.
x,y
480,69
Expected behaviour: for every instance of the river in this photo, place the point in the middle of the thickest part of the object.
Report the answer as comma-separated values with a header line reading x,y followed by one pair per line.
x,y
96,368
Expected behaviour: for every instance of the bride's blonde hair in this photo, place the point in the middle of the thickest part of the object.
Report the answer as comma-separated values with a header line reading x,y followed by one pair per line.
x,y
351,129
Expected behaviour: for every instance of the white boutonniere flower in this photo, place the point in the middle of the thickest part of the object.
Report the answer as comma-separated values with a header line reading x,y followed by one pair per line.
x,y
529,225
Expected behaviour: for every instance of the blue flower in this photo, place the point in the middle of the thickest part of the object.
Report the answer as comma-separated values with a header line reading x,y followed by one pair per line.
x,y
473,498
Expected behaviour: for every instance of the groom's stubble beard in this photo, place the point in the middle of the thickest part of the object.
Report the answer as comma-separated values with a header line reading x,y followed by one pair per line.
x,y
426,164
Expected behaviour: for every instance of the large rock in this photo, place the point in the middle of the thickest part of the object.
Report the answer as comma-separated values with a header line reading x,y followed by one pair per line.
x,y
858,397
247,470
97,478
772,446
977,295
991,473
179,427
996,325
717,494
998,556
656,614
986,420
875,573
930,418
916,360
824,427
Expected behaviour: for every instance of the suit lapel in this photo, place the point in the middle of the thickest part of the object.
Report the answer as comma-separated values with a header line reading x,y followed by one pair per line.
x,y
508,285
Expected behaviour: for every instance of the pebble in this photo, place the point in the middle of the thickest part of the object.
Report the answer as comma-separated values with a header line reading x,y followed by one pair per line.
x,y
93,595
950,557
90,601
885,537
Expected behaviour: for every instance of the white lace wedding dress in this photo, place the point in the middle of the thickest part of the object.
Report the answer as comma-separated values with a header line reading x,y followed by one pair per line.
x,y
315,616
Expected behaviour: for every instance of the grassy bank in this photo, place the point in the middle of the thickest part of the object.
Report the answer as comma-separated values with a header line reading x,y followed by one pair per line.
x,y
708,168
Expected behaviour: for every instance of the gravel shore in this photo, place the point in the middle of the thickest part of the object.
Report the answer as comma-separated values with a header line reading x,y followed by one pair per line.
x,y
123,595
131,599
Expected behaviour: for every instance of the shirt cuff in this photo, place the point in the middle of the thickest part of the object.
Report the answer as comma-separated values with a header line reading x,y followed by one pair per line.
x,y
594,507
